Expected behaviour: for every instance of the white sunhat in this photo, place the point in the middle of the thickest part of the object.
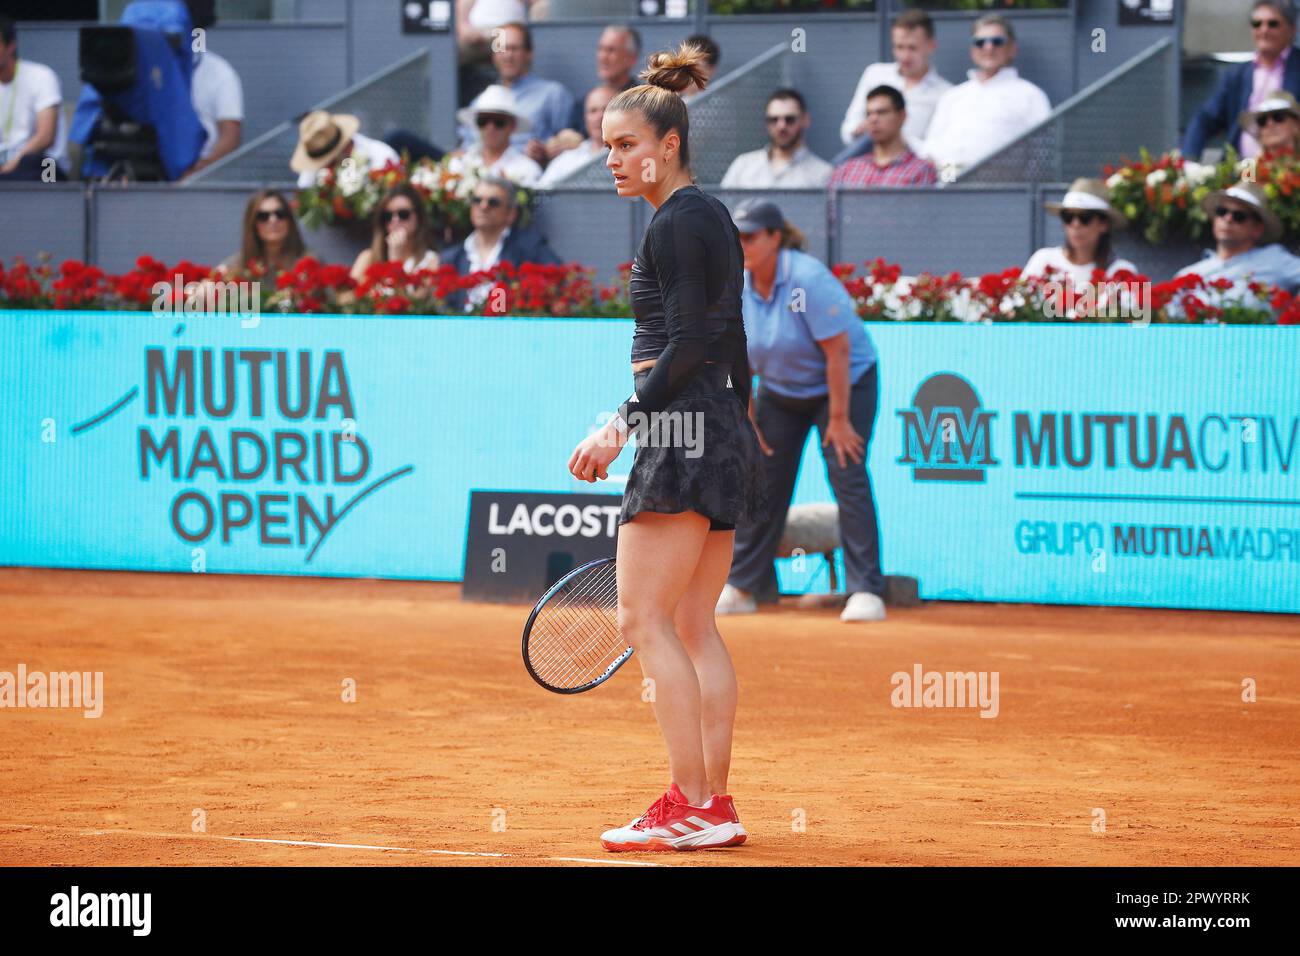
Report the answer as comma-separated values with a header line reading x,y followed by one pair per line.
x,y
495,99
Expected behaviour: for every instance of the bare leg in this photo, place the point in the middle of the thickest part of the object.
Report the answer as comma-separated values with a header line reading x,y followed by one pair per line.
x,y
698,631
657,555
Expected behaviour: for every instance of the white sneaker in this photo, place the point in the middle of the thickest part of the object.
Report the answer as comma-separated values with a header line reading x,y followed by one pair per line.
x,y
863,606
735,601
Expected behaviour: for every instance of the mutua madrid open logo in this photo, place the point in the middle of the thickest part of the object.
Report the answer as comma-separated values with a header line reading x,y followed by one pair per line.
x,y
946,434
275,480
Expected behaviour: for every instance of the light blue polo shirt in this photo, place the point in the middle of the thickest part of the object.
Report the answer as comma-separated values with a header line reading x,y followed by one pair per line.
x,y
783,349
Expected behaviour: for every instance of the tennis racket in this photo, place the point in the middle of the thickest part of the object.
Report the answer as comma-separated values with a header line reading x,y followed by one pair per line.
x,y
572,641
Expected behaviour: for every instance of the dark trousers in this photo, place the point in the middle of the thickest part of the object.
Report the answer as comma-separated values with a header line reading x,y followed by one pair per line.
x,y
785,428
416,147
29,169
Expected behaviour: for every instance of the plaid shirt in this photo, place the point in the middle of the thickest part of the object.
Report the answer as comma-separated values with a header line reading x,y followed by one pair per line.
x,y
861,172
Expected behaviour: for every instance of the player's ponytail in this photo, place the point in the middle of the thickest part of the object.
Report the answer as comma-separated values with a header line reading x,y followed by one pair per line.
x,y
658,99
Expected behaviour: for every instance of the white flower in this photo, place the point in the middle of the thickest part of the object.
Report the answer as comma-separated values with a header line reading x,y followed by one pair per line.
x,y
1115,180
351,176
425,177
1155,177
1197,173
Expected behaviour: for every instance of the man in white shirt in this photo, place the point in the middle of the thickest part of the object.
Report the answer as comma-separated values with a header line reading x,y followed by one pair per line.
x,y
32,127
910,73
326,139
496,115
218,97
989,110
786,162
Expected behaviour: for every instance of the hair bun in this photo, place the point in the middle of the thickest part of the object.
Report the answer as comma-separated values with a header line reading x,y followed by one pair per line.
x,y
677,71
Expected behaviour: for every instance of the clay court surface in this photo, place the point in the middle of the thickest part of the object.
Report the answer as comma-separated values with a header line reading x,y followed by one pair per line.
x,y
223,694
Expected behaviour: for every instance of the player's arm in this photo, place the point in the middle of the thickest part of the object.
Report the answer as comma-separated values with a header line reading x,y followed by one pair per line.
x,y
679,250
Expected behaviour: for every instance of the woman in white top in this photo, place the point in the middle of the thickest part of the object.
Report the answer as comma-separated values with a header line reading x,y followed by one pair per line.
x,y
1088,221
401,234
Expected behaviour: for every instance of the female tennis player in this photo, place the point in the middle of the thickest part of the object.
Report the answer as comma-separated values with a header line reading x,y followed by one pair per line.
x,y
681,504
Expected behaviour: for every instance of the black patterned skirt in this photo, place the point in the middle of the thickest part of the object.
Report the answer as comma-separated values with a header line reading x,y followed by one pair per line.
x,y
698,454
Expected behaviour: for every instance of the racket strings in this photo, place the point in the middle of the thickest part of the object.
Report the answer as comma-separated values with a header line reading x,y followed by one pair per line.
x,y
576,637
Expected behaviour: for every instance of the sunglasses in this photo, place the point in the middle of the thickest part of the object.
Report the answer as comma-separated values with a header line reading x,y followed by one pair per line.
x,y
1236,215
982,42
1085,218
786,119
1271,24
388,215
266,215
1278,116
498,121
490,201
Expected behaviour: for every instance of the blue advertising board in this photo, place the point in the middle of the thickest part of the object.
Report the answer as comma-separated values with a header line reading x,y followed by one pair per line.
x,y
1072,464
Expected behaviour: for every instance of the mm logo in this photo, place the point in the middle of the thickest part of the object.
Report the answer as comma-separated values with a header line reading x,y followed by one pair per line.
x,y
946,434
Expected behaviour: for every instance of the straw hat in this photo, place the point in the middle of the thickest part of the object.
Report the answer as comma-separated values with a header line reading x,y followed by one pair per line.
x,y
1280,101
321,137
1252,194
495,99
1089,195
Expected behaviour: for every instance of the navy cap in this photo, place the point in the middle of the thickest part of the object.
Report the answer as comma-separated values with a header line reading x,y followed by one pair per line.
x,y
755,214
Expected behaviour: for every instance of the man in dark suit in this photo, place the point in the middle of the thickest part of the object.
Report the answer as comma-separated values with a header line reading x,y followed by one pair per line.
x,y
1275,66
495,239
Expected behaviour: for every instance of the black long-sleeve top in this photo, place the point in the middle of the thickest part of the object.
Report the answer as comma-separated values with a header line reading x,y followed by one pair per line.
x,y
686,285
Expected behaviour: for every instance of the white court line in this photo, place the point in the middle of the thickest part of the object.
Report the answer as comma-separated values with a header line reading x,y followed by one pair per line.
x,y
316,843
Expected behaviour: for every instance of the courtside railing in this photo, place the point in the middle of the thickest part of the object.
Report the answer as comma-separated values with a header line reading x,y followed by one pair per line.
x,y
1133,106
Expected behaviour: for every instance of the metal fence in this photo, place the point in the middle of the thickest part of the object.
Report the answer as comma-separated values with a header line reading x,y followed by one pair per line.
x,y
971,229
1131,107
396,97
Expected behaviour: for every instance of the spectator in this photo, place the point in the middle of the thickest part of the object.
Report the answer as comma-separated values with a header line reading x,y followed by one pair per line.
x,y
911,74
496,115
815,365
399,233
1247,85
272,243
891,162
325,140
786,161
1088,221
990,109
31,103
218,98
594,145
712,54
476,21
617,53
495,239
1246,246
547,105
1274,124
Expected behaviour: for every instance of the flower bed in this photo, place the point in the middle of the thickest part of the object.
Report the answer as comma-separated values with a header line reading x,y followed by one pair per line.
x,y
880,293
350,193
1162,196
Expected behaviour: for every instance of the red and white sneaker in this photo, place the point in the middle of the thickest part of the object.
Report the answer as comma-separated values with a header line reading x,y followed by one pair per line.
x,y
725,804
672,823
